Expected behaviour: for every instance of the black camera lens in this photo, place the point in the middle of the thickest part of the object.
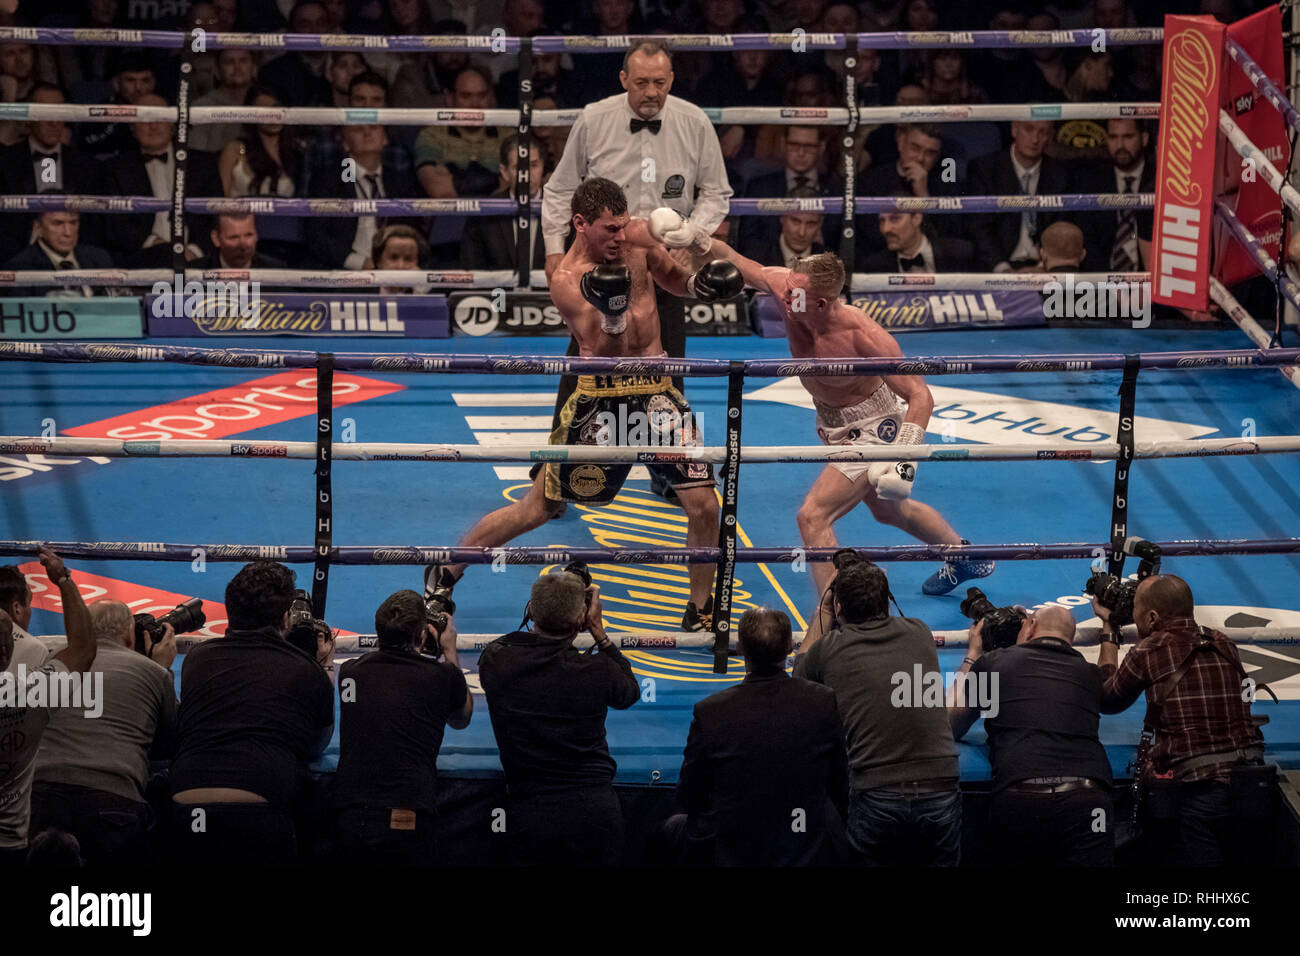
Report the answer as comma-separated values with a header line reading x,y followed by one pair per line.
x,y
976,605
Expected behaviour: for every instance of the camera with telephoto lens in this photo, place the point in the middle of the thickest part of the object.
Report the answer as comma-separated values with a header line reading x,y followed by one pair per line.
x,y
184,618
304,627
1115,593
1001,624
580,569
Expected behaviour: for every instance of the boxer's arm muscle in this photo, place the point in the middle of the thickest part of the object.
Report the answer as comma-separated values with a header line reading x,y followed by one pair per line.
x,y
755,273
667,271
581,317
875,342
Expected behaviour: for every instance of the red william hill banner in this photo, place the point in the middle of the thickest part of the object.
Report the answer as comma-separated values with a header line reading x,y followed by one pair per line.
x,y
1256,203
1189,124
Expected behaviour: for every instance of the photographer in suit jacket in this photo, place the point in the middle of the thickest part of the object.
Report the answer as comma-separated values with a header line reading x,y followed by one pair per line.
x,y
490,241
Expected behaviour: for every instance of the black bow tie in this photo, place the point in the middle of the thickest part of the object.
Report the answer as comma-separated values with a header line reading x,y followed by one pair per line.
x,y
907,265
38,156
154,157
636,125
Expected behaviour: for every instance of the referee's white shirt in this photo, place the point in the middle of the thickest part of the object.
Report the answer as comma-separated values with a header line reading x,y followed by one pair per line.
x,y
685,152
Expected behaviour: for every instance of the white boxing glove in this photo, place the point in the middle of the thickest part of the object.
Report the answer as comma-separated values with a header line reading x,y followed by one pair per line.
x,y
675,232
893,480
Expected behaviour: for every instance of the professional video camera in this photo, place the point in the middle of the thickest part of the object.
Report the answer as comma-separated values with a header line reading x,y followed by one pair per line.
x,y
1001,624
184,618
304,627
1114,593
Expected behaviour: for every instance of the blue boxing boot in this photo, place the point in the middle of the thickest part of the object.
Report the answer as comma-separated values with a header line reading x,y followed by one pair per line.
x,y
954,572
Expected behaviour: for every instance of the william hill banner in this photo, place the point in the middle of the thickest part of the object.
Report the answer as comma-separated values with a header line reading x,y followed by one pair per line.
x,y
328,314
1253,200
1185,168
925,311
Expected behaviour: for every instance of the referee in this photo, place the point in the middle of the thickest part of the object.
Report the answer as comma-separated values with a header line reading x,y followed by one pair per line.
x,y
663,151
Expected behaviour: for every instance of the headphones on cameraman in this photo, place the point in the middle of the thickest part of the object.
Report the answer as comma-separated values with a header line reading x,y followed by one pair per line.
x,y
845,558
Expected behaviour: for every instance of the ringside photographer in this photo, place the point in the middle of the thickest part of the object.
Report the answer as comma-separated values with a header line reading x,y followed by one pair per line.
x,y
548,703
1201,781
904,803
1051,802
91,775
394,704
255,711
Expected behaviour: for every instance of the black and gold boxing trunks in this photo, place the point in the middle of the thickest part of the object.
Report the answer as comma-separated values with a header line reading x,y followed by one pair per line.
x,y
623,410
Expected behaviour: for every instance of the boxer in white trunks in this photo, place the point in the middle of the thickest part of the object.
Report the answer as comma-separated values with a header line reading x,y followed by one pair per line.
x,y
858,409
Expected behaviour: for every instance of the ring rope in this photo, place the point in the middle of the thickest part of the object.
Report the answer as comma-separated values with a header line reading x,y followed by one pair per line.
x,y
636,454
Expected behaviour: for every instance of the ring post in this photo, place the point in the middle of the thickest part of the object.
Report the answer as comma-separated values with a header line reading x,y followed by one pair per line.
x,y
728,523
324,492
523,149
180,150
1125,436
847,230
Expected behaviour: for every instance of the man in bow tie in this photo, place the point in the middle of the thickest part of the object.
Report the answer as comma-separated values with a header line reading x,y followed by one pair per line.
x,y
911,247
663,152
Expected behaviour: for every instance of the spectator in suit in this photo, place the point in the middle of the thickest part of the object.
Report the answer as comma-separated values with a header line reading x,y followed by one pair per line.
x,y
41,163
147,169
799,234
350,247
1113,240
1001,71
550,80
21,70
1007,241
266,160
367,91
57,246
426,81
810,90
945,80
805,149
1046,81
234,241
757,755
341,67
91,775
489,241
298,76
453,161
916,172
880,146
400,247
909,247
1062,248
235,72
86,70
133,78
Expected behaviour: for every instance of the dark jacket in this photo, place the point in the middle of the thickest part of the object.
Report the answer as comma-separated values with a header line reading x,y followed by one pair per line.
x,y
489,241
755,751
126,175
950,255
33,258
882,180
1099,228
329,243
548,704
18,178
757,232
995,234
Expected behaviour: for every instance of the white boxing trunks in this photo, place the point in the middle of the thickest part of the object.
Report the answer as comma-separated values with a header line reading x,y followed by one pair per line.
x,y
874,421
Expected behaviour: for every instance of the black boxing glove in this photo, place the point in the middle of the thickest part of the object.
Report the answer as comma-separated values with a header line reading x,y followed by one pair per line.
x,y
716,280
607,287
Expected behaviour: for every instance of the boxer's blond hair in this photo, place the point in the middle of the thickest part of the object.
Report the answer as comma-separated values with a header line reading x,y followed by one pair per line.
x,y
826,272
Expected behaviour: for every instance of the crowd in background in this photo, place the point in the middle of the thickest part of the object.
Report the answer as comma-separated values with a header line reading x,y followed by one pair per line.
x,y
762,161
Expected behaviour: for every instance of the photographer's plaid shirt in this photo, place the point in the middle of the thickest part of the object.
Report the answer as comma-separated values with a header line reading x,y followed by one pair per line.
x,y
1205,714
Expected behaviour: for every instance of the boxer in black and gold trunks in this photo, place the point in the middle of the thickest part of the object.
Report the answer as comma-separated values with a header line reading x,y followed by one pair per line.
x,y
604,289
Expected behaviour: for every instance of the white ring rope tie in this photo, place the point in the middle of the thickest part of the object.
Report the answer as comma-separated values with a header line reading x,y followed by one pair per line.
x,y
631,454
1249,150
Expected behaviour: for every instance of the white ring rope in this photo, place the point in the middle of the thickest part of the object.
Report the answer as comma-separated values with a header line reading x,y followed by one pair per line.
x,y
1250,151
628,454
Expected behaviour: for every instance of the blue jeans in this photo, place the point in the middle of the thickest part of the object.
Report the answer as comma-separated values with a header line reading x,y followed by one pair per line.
x,y
895,829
